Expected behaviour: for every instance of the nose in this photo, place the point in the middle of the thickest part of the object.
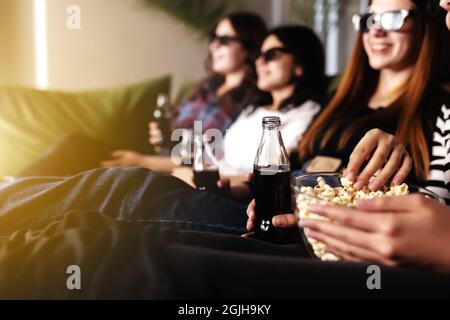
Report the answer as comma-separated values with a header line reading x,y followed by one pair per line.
x,y
260,61
376,30
445,4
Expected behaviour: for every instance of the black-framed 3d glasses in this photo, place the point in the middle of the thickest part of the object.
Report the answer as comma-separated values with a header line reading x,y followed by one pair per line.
x,y
388,21
223,40
273,53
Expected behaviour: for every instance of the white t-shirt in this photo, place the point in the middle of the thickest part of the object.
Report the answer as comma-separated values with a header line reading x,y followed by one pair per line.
x,y
243,137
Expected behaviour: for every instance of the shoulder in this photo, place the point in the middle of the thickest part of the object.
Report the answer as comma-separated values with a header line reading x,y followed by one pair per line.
x,y
308,107
438,97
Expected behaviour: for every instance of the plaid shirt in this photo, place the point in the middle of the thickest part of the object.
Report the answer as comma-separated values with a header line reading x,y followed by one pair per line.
x,y
208,111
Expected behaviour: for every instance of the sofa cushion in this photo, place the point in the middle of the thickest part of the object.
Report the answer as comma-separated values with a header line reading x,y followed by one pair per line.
x,y
32,120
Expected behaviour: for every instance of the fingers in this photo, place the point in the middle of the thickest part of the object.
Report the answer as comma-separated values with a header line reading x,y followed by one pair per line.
x,y
377,222
343,233
348,251
154,133
389,158
377,161
116,161
404,170
360,154
250,176
251,209
288,220
399,204
251,215
346,216
390,168
119,153
108,163
249,235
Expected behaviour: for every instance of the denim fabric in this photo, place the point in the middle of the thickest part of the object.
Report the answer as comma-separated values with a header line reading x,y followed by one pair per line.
x,y
132,194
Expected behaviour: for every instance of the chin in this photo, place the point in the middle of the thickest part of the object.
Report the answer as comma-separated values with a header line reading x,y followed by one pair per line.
x,y
263,85
219,69
377,65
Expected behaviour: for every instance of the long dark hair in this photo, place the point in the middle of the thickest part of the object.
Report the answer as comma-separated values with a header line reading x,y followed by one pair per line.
x,y
308,53
251,29
359,84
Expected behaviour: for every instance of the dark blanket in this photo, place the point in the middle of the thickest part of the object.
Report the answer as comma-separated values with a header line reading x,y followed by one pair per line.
x,y
128,258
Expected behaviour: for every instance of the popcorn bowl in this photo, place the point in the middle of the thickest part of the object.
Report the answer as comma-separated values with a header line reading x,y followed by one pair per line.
x,y
331,188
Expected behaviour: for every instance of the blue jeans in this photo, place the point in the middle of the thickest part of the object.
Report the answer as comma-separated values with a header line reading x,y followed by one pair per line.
x,y
131,194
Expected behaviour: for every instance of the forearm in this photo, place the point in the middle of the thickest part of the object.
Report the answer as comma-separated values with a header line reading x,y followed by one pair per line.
x,y
159,163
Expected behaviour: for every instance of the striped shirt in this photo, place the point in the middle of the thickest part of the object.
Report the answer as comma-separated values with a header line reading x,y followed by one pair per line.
x,y
439,177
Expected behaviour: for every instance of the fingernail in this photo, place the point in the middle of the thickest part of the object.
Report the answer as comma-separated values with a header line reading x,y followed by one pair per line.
x,y
351,176
397,180
374,185
358,185
278,221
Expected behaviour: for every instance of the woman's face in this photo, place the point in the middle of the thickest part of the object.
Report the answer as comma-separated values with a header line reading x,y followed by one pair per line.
x,y
446,5
279,71
227,53
396,49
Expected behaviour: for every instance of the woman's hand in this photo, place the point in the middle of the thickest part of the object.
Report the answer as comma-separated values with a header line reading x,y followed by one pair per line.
x,y
154,133
287,220
388,230
125,158
386,156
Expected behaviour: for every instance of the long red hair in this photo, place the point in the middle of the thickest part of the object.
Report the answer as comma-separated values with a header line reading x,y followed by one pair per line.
x,y
359,83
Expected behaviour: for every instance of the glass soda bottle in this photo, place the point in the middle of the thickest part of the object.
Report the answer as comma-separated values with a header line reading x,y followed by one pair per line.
x,y
206,167
161,116
272,183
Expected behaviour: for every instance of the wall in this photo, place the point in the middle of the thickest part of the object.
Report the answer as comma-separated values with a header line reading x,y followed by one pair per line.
x,y
120,41
16,42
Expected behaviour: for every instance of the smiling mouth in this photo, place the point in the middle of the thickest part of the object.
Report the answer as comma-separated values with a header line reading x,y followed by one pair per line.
x,y
380,48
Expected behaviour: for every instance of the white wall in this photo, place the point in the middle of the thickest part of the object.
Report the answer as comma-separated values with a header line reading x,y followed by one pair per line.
x,y
16,42
120,41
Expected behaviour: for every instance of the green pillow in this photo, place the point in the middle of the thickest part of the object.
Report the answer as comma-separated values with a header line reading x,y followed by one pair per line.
x,y
32,120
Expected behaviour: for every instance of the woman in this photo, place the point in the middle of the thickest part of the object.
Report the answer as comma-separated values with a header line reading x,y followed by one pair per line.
x,y
219,99
408,229
295,80
392,230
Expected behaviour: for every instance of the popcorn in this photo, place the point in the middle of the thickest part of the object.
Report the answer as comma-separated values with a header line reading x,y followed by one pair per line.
x,y
346,196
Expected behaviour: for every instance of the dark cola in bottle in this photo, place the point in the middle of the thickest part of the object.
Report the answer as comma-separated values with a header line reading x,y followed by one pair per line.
x,y
272,184
206,168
